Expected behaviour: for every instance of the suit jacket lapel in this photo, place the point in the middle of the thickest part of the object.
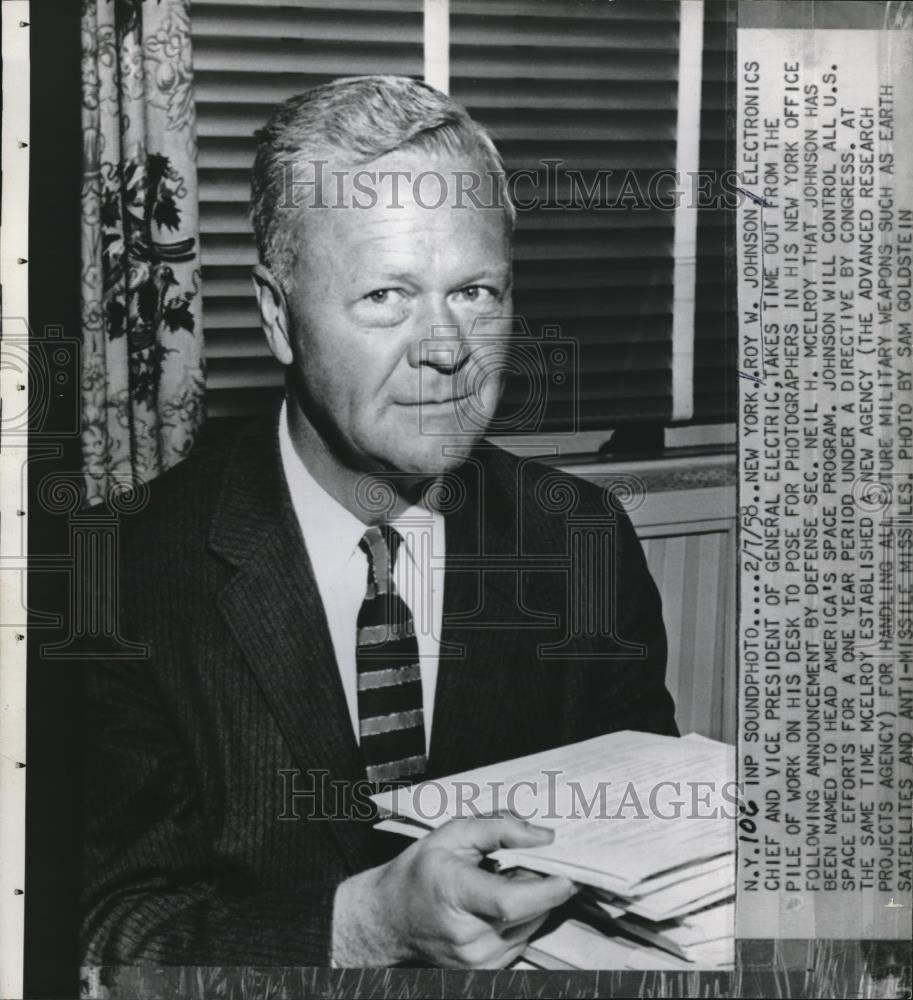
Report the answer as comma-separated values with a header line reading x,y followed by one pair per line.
x,y
274,611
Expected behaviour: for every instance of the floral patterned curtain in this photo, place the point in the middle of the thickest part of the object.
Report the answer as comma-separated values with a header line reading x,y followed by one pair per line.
x,y
142,363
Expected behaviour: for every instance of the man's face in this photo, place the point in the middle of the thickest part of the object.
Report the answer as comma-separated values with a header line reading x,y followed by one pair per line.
x,y
398,320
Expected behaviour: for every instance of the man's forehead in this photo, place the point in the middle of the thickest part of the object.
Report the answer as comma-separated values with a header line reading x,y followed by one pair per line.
x,y
387,241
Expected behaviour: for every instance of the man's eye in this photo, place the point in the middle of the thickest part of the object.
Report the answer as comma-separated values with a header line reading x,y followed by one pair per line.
x,y
475,293
382,296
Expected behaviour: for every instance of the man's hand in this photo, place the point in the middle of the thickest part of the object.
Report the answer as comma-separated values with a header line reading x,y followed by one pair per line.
x,y
433,902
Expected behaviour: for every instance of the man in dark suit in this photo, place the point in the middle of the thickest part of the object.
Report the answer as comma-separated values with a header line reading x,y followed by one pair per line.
x,y
358,590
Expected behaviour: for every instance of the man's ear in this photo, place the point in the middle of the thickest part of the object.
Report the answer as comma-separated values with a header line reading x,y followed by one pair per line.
x,y
274,316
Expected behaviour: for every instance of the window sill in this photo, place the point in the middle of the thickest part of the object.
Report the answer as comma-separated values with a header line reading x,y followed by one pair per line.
x,y
705,466
668,492
671,470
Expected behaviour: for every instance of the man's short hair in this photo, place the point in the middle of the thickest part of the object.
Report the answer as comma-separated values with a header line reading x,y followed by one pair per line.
x,y
347,123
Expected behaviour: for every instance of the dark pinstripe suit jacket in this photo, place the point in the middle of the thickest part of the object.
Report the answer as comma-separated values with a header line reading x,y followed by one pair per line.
x,y
192,854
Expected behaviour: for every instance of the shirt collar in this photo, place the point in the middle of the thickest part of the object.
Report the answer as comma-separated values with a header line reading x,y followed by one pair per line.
x,y
331,532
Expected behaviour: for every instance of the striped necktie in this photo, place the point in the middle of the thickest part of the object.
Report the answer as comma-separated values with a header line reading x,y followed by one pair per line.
x,y
391,721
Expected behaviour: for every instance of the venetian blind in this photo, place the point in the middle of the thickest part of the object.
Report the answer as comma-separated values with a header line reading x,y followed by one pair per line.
x,y
570,90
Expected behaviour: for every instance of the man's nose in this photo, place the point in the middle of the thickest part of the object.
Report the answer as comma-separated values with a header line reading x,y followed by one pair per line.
x,y
437,339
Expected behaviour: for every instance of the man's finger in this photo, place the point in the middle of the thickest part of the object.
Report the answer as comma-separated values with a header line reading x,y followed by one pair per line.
x,y
512,900
516,933
504,956
521,873
484,834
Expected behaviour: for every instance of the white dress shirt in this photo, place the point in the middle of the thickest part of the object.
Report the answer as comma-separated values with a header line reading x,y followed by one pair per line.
x,y
332,535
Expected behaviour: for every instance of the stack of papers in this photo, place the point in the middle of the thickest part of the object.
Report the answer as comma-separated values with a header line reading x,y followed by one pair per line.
x,y
644,824
576,944
704,937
